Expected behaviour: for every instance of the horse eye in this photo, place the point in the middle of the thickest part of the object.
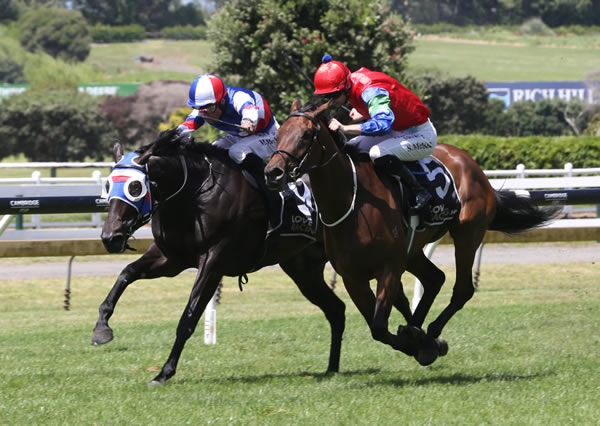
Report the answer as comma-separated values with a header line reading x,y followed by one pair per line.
x,y
107,186
135,188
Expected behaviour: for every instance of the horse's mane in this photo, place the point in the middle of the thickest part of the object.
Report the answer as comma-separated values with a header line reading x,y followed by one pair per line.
x,y
170,143
327,115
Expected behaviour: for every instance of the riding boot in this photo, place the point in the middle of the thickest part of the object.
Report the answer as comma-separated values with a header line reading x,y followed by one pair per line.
x,y
256,166
393,165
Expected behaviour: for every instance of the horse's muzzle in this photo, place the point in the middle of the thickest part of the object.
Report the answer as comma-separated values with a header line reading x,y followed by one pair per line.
x,y
114,242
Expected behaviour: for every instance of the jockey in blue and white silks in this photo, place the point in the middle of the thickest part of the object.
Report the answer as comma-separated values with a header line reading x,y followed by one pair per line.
x,y
250,126
241,113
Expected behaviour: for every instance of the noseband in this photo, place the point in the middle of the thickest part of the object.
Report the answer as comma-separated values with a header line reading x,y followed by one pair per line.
x,y
299,170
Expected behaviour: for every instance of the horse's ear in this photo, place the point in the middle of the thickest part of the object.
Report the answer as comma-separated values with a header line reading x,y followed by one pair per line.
x,y
117,151
143,158
296,105
322,108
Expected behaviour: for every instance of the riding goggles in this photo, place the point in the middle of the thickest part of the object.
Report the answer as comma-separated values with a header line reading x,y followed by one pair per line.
x,y
207,109
128,182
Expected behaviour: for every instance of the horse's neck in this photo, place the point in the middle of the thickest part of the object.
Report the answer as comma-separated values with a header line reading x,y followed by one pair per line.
x,y
333,183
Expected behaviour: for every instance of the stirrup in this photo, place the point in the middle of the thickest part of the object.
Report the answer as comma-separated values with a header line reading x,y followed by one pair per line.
x,y
422,199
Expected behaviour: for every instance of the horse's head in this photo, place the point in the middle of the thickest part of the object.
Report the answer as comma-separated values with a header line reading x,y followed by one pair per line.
x,y
300,146
142,181
129,201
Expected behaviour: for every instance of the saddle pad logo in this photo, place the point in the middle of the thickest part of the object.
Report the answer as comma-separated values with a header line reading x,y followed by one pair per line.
x,y
300,213
433,175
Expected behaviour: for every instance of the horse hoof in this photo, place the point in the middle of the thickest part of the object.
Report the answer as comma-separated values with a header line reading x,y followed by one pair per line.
x,y
426,357
155,383
442,346
102,336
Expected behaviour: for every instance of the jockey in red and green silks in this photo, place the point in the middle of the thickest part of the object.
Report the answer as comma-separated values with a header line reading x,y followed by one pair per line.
x,y
396,126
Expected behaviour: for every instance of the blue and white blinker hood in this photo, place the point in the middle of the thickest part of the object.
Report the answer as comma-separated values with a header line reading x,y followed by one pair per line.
x,y
128,181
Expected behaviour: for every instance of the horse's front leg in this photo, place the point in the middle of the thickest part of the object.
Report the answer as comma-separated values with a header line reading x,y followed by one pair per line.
x,y
204,287
152,264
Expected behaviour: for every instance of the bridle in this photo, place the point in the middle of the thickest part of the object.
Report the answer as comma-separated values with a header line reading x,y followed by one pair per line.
x,y
297,171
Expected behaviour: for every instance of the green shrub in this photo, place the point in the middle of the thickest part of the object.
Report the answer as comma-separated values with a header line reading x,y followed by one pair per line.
x,y
61,33
535,152
184,32
11,72
54,125
119,33
593,128
535,26
457,104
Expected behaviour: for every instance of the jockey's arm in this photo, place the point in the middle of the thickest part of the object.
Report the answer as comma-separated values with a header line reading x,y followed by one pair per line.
x,y
382,116
192,122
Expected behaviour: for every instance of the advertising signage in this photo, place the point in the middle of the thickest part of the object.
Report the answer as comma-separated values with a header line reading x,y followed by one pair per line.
x,y
514,91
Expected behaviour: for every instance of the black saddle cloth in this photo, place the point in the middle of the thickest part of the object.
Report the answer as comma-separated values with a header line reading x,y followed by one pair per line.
x,y
433,176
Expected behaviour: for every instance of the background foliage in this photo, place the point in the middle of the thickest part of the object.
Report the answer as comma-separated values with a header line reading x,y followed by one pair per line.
x,y
251,41
60,33
537,152
55,125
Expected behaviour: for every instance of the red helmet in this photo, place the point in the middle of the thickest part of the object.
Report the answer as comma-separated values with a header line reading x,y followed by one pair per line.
x,y
331,76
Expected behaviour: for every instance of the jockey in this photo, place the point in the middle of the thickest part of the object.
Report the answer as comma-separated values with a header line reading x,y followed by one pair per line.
x,y
397,127
246,118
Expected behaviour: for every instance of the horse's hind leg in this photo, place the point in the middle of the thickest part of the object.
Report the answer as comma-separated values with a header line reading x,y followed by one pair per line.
x,y
465,246
307,273
152,264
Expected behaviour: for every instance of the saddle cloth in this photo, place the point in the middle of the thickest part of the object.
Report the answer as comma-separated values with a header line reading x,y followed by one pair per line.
x,y
298,212
433,176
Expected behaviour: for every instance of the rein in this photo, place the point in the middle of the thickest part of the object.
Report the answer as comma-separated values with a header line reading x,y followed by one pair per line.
x,y
355,190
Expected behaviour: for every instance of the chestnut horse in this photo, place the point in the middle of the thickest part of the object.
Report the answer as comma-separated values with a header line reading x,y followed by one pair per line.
x,y
205,215
366,231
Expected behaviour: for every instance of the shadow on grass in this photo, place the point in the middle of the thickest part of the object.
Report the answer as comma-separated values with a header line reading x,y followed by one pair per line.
x,y
458,379
266,377
374,378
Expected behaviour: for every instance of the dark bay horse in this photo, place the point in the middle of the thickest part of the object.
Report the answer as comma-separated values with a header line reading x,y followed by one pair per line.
x,y
205,215
367,235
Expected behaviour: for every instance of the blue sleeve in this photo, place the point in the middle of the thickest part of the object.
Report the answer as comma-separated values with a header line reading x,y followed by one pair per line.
x,y
382,116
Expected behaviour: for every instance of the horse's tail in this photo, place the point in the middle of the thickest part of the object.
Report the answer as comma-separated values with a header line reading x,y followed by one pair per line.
x,y
515,214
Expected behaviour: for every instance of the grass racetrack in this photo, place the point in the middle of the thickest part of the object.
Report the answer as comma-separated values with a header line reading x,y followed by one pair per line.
x,y
524,350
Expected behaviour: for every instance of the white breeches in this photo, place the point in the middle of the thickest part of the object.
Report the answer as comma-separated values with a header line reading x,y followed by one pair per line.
x,y
262,144
412,144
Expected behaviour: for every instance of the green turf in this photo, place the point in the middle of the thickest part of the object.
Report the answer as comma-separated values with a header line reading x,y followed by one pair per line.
x,y
497,62
523,351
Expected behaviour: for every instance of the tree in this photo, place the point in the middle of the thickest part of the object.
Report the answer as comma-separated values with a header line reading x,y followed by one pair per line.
x,y
61,33
56,125
457,105
151,14
252,40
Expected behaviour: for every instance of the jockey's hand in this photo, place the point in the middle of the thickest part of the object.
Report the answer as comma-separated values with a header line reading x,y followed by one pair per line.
x,y
335,125
249,126
355,115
